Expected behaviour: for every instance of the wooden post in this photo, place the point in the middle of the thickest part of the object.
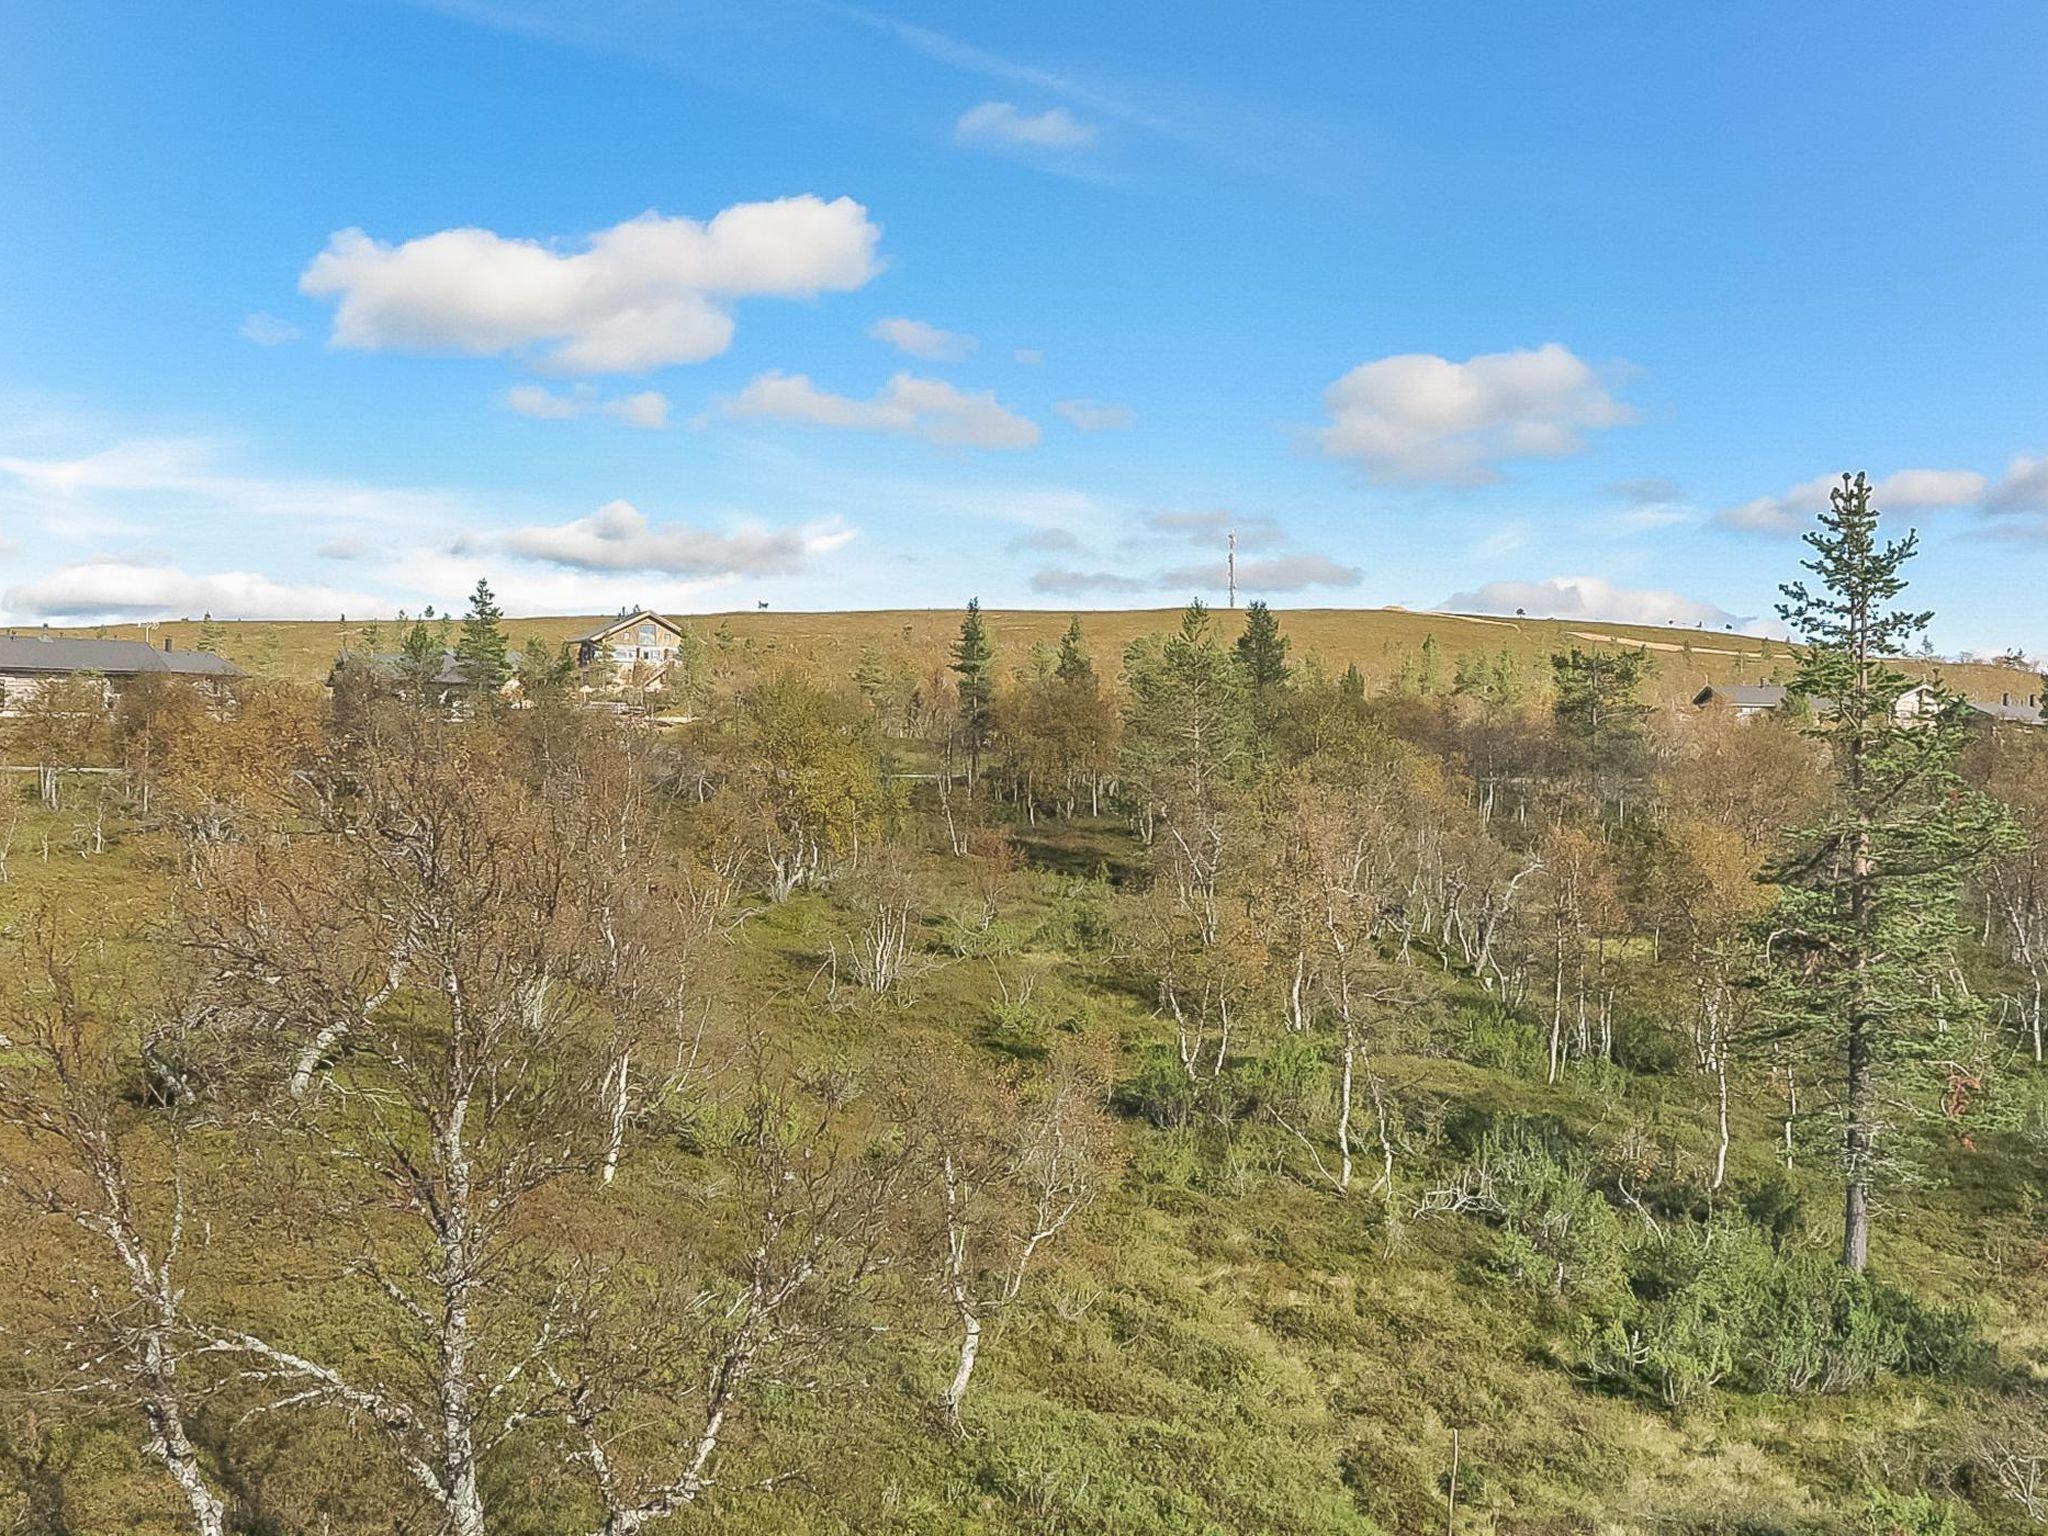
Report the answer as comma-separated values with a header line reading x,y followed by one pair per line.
x,y
1451,1510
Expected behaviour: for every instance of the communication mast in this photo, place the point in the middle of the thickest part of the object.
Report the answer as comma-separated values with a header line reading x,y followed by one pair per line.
x,y
1230,569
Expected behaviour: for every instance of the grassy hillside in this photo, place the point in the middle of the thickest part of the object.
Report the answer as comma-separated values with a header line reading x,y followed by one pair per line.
x,y
1379,640
1226,1345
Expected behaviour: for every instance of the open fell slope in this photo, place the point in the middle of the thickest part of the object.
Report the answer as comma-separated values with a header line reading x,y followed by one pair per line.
x,y
1379,640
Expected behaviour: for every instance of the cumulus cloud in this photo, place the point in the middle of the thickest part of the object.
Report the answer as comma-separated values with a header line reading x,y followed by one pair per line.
x,y
646,293
1281,573
113,590
1909,490
268,330
920,339
1590,597
2022,488
1003,125
1421,418
618,537
648,409
1069,583
1090,417
907,405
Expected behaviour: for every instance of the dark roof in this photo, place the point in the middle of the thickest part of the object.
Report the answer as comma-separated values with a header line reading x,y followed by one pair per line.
x,y
614,625
1743,695
2024,714
110,658
387,664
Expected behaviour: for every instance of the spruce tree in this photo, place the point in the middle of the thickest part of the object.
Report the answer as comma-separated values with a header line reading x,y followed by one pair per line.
x,y
1861,939
1600,717
1262,650
973,662
419,662
210,634
482,652
1074,665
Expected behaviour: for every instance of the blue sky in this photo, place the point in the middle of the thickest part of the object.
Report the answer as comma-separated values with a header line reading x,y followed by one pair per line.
x,y
313,307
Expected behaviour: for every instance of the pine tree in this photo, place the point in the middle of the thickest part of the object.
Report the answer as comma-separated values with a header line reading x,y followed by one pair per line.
x,y
1862,936
1352,684
1600,716
481,653
210,634
419,661
1262,650
1074,665
973,660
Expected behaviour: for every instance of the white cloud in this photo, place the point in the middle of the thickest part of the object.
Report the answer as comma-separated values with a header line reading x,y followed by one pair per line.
x,y
618,537
907,405
1425,419
922,340
1590,597
1030,357
647,409
156,467
1090,417
1001,123
2022,488
101,590
268,330
1908,490
542,403
1043,541
1207,527
1281,573
643,294
1066,583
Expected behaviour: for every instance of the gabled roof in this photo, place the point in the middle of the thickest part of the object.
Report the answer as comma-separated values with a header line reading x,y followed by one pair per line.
x,y
2022,714
388,664
1743,695
111,658
611,627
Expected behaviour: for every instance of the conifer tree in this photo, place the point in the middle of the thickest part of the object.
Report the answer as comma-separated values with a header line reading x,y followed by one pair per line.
x,y
419,661
482,652
973,663
1262,650
1074,665
210,634
1862,936
1600,716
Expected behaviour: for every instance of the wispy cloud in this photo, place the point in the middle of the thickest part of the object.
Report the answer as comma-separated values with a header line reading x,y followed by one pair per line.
x,y
1004,125
99,590
906,406
1088,416
268,331
647,410
921,339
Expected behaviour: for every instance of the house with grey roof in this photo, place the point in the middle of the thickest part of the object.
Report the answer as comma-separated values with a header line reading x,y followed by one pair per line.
x,y
28,663
1747,700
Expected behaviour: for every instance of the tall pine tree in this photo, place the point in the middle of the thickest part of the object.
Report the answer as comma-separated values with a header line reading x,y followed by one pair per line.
x,y
1074,665
974,664
1862,935
482,652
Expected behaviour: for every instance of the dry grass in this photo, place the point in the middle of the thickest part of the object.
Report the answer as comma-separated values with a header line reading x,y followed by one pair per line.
x,y
1379,640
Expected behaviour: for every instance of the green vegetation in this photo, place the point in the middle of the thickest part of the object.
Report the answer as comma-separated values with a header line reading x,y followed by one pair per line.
x,y
955,1082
